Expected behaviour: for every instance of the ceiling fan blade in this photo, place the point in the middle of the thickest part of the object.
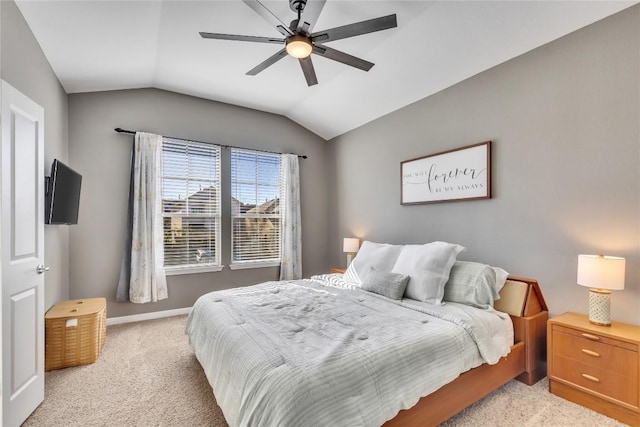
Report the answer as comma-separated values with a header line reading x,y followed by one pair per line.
x,y
310,15
241,38
268,16
345,58
267,62
309,71
356,29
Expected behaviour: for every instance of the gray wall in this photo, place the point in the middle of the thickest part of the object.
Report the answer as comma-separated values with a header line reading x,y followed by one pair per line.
x,y
102,156
565,124
24,66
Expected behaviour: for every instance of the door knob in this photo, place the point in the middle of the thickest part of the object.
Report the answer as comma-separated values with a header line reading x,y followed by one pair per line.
x,y
42,269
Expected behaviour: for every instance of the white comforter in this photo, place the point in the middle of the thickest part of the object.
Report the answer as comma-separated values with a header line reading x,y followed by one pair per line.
x,y
314,353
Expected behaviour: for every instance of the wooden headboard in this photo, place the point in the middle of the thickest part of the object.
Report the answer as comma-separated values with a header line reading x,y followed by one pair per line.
x,y
523,300
521,297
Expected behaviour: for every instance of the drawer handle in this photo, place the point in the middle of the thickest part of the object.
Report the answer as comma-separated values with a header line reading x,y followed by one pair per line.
x,y
591,378
590,352
591,337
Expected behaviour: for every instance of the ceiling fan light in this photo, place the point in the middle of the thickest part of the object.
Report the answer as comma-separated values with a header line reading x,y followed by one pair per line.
x,y
299,46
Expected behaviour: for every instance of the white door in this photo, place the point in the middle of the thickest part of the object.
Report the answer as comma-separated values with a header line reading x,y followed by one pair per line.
x,y
22,250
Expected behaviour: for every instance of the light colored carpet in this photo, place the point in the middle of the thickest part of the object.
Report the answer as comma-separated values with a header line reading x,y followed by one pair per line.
x,y
147,375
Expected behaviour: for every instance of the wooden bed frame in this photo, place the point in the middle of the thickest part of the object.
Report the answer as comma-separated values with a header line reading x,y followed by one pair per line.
x,y
526,362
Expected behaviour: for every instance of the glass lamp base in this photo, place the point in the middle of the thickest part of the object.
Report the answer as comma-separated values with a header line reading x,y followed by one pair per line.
x,y
350,256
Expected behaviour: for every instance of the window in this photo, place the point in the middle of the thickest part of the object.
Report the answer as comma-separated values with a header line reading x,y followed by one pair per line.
x,y
191,205
256,185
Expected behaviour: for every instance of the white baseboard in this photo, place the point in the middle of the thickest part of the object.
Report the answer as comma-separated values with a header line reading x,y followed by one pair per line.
x,y
147,316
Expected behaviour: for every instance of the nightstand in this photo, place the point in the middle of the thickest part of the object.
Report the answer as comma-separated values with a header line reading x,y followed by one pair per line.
x,y
338,269
595,366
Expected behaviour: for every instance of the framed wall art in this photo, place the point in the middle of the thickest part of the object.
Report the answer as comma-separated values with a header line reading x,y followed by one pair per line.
x,y
460,174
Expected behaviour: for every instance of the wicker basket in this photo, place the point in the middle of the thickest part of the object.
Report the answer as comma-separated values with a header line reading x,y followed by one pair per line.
x,y
75,332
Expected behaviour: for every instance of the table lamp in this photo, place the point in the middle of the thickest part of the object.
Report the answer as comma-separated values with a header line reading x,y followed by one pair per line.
x,y
350,246
601,274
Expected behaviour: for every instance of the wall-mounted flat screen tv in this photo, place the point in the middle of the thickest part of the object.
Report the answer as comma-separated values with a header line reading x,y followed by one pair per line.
x,y
62,195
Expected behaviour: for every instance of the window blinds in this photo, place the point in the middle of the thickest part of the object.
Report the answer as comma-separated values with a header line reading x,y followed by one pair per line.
x,y
256,183
190,203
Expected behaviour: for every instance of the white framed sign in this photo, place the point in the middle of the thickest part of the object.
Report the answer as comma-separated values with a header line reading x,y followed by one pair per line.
x,y
460,174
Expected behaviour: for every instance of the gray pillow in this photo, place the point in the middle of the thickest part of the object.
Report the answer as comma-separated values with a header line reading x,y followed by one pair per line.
x,y
390,285
471,283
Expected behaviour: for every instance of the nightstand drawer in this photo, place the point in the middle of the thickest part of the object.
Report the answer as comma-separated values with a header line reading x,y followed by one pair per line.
x,y
599,380
595,337
619,360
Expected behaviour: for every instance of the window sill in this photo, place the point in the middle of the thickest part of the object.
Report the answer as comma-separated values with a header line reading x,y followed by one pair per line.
x,y
175,271
259,264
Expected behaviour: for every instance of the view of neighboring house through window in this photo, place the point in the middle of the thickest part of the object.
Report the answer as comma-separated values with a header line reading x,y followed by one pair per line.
x,y
190,204
256,185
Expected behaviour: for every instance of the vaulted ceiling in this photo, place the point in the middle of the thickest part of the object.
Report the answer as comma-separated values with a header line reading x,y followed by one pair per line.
x,y
109,45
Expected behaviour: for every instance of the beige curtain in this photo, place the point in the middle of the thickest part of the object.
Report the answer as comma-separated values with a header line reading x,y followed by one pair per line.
x,y
291,243
147,281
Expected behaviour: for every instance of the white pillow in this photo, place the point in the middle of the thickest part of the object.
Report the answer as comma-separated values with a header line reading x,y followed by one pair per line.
x,y
501,279
428,268
380,256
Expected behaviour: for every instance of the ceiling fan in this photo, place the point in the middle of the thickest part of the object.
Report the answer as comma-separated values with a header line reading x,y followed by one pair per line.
x,y
300,42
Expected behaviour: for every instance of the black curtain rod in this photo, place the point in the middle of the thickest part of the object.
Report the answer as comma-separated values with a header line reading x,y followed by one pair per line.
x,y
120,130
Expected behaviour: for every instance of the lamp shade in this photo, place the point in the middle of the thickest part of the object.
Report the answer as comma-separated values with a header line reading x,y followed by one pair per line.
x,y
351,244
601,272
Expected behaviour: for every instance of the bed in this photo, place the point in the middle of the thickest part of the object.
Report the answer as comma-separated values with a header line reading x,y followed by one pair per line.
x,y
329,351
